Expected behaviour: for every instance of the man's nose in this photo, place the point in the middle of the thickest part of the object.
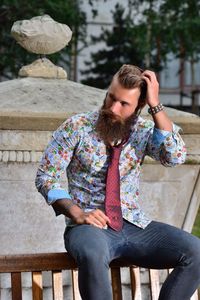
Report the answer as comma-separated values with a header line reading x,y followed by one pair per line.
x,y
115,108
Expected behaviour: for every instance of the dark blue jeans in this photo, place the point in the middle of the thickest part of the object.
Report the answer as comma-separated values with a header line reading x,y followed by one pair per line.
x,y
158,246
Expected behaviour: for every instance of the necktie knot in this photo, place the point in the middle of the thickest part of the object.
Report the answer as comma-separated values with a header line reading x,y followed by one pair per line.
x,y
115,152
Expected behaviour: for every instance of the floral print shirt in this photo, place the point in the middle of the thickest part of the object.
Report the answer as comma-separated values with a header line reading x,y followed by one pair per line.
x,y
77,150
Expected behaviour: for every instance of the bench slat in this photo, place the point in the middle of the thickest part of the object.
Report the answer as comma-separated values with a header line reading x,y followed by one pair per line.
x,y
116,283
154,284
135,283
75,289
195,296
44,261
36,262
16,283
37,289
57,285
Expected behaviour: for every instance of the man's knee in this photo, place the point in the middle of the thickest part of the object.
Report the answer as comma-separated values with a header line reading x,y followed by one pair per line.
x,y
193,252
93,256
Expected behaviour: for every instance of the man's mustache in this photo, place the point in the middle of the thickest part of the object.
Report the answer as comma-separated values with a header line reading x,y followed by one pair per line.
x,y
108,114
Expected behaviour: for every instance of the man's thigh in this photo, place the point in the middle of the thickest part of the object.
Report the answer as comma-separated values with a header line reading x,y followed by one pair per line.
x,y
86,241
159,246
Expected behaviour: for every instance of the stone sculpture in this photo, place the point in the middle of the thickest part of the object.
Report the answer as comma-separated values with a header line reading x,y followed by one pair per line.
x,y
42,35
42,68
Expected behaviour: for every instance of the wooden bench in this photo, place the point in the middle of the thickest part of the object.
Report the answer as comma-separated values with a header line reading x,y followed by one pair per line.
x,y
56,263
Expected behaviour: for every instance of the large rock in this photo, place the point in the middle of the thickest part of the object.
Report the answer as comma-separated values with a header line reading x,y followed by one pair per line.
x,y
41,34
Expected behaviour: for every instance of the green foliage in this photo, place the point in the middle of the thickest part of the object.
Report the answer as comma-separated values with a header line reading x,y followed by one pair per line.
x,y
182,22
14,56
144,34
196,227
119,50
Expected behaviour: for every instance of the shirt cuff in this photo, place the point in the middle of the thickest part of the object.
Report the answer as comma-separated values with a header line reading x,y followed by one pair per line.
x,y
56,194
160,135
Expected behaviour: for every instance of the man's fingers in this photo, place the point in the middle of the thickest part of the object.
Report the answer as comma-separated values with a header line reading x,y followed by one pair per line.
x,y
97,218
149,76
146,78
101,216
92,220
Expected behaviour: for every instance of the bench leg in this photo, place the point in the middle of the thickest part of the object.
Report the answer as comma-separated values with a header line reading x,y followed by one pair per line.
x,y
116,283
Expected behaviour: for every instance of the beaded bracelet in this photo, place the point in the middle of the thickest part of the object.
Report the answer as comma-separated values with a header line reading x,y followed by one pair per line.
x,y
154,110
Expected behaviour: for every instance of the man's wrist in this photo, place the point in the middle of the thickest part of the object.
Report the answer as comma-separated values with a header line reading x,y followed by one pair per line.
x,y
63,206
69,204
153,102
152,110
72,210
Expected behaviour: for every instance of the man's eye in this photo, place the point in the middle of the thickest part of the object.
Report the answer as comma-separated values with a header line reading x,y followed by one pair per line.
x,y
124,103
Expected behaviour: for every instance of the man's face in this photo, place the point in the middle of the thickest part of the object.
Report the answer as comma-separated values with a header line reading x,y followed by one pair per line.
x,y
117,113
120,101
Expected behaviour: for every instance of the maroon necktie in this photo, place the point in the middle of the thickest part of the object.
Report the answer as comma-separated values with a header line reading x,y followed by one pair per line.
x,y
112,200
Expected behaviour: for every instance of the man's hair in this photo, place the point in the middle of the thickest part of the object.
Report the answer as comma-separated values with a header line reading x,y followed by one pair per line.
x,y
130,76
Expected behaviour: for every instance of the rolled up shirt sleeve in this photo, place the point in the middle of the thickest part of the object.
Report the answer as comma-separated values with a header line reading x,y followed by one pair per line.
x,y
167,146
57,194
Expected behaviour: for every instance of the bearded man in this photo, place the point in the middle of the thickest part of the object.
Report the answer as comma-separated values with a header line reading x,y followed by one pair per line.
x,y
102,153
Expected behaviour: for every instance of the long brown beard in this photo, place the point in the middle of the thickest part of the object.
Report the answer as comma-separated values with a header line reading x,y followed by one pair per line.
x,y
112,128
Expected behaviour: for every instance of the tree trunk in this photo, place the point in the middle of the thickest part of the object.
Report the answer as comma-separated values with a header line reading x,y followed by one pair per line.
x,y
182,73
194,92
73,60
149,32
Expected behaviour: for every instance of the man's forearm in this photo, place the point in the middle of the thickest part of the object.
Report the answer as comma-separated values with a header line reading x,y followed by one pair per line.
x,y
67,208
95,217
162,121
